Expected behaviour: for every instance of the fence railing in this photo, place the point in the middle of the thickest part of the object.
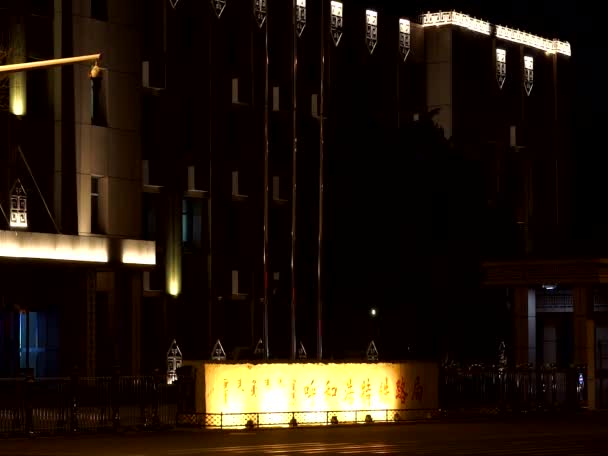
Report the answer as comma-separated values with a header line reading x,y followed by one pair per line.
x,y
524,389
31,405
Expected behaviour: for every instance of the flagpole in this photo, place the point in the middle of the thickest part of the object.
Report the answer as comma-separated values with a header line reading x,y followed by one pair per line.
x,y
266,191
321,192
294,72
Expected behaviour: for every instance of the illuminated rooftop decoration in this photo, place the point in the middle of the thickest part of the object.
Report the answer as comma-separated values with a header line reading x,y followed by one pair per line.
x,y
456,18
404,38
501,66
18,206
260,11
500,31
528,73
218,7
337,21
174,362
371,37
300,16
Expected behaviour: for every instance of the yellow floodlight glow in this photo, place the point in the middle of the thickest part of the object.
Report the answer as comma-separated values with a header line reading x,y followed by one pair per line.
x,y
173,287
17,94
316,391
16,67
138,252
45,246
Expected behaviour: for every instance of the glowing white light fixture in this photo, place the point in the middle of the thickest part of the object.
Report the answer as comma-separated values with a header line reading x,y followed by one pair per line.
x,y
550,286
501,66
300,16
260,11
138,252
218,7
456,18
404,38
371,37
43,246
373,312
337,21
528,73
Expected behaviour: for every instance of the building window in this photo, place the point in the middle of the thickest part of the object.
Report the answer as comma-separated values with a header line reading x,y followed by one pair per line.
x,y
192,221
95,228
99,10
98,105
150,216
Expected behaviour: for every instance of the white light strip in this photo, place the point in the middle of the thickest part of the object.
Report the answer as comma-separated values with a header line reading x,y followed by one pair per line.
x,y
455,18
502,32
45,246
138,252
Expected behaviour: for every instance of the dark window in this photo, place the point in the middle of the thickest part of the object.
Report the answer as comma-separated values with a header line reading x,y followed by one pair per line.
x,y
99,10
192,222
150,216
98,105
95,228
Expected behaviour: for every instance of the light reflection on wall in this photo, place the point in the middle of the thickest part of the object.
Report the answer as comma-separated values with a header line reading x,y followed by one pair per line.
x,y
45,246
138,252
17,93
312,390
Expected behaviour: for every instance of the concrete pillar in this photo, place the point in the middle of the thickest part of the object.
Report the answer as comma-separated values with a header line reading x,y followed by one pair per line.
x,y
136,292
524,315
91,324
584,338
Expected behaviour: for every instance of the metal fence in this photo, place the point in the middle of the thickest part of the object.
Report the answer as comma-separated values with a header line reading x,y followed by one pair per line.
x,y
292,419
524,389
36,405
29,405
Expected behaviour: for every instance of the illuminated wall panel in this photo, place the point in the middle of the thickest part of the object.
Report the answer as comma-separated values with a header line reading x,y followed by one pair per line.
x,y
316,389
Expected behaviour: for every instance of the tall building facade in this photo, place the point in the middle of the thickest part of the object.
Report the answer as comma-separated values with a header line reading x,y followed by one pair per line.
x,y
280,175
71,258
279,138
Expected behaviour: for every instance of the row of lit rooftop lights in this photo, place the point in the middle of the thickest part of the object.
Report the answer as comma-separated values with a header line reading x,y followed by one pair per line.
x,y
502,32
463,20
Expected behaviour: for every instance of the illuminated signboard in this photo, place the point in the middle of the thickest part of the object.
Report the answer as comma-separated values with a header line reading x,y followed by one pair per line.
x,y
313,389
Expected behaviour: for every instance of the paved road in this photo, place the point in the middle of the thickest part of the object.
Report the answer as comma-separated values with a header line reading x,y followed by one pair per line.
x,y
572,435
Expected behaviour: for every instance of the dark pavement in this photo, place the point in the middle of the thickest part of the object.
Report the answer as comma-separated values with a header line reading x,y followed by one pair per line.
x,y
580,434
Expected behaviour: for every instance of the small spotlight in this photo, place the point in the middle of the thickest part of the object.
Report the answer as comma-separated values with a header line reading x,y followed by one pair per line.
x,y
550,286
373,311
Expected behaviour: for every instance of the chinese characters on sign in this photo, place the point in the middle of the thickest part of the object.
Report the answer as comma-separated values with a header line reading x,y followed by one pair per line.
x,y
371,37
18,206
316,387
